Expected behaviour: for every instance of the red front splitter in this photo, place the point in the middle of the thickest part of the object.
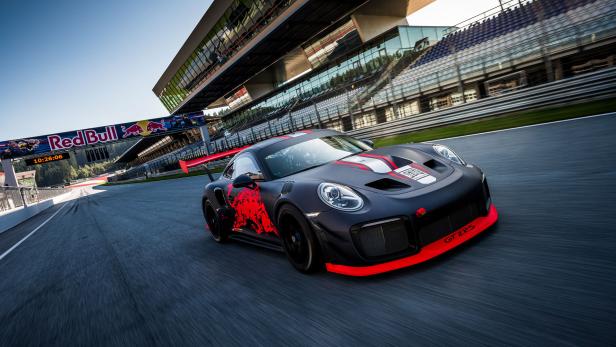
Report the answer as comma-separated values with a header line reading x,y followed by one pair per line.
x,y
430,251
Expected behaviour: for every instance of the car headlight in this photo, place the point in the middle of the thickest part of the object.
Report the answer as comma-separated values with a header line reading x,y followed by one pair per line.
x,y
447,153
340,197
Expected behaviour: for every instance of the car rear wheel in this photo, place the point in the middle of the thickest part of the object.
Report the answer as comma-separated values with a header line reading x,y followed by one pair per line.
x,y
298,240
213,223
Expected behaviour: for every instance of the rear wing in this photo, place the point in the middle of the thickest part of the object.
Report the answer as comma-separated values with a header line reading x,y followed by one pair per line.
x,y
187,164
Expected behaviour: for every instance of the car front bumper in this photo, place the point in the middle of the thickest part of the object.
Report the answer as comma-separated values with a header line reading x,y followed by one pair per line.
x,y
426,252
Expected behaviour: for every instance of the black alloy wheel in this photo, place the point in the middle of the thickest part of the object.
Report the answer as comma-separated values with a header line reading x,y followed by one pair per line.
x,y
298,240
213,223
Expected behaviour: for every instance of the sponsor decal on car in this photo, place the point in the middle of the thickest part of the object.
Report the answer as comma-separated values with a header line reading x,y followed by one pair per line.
x,y
416,173
382,164
250,210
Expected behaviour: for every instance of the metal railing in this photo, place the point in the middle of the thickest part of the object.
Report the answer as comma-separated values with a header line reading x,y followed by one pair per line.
x,y
535,43
592,86
13,197
409,98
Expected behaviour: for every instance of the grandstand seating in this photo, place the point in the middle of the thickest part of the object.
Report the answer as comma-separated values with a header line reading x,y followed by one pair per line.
x,y
487,45
506,22
328,109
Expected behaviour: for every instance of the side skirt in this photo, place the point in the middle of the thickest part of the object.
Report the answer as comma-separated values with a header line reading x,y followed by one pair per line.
x,y
256,242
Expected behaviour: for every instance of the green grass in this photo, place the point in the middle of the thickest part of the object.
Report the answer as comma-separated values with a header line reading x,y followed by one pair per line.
x,y
511,120
163,178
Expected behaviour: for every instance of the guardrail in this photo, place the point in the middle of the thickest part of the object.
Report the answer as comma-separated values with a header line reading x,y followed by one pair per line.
x,y
13,197
596,85
592,86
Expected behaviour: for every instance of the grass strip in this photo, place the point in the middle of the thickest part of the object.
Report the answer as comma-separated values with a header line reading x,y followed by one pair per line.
x,y
506,121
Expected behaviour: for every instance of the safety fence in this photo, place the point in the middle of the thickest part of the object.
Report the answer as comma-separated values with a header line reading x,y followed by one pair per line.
x,y
593,86
13,197
596,85
454,81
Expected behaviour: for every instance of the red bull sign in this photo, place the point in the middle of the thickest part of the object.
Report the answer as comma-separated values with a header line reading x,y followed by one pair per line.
x,y
83,138
100,135
143,128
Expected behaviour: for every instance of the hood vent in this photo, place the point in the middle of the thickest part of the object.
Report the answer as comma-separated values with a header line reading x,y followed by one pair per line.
x,y
436,165
400,162
387,184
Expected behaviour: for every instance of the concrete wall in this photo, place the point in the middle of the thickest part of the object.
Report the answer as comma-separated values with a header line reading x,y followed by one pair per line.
x,y
14,217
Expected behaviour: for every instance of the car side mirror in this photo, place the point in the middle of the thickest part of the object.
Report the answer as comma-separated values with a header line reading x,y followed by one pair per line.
x,y
368,142
242,181
256,176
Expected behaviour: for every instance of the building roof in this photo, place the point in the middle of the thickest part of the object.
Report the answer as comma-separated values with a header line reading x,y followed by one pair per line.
x,y
216,9
298,23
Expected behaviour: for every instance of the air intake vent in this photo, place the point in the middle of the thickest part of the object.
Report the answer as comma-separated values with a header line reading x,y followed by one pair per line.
x,y
287,187
382,238
220,197
387,184
400,162
436,165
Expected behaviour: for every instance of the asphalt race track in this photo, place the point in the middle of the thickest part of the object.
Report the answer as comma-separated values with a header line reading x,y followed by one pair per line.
x,y
132,265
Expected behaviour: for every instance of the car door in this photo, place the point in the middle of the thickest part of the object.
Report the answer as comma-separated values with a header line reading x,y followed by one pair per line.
x,y
251,216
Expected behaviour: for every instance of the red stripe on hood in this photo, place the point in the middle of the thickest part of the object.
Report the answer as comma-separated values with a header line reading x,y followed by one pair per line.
x,y
361,166
382,157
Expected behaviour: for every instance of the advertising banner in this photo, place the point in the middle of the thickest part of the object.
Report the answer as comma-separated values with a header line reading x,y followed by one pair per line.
x,y
100,135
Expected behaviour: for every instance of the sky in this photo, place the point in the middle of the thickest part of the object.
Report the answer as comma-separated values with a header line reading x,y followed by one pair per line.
x,y
74,64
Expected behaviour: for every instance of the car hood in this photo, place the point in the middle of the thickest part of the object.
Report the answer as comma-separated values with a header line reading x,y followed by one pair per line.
x,y
392,169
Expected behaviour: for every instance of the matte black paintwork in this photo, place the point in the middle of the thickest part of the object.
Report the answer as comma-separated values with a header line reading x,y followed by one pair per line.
x,y
332,226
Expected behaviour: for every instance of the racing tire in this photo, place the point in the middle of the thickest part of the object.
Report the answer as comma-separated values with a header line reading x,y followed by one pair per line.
x,y
298,240
214,224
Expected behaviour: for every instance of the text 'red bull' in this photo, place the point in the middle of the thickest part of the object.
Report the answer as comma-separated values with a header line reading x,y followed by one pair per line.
x,y
83,138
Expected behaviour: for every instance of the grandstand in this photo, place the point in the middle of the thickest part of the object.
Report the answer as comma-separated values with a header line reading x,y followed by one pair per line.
x,y
514,37
346,72
501,52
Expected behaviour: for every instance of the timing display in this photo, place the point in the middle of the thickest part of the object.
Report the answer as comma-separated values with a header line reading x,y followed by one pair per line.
x,y
47,158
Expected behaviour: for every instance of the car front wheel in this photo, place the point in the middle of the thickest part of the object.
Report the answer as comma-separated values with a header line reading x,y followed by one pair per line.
x,y
298,240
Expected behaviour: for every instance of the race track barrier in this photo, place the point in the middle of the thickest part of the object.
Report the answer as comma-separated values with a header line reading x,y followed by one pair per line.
x,y
187,164
592,86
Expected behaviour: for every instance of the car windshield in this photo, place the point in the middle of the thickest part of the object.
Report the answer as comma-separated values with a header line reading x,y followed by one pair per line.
x,y
312,153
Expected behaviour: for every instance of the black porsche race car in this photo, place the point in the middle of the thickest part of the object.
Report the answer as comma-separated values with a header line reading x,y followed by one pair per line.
x,y
328,199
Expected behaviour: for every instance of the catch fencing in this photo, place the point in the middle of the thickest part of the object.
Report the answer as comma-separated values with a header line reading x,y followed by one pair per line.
x,y
13,197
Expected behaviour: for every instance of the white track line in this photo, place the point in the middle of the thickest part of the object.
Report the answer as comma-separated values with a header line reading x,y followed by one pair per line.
x,y
527,126
32,232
